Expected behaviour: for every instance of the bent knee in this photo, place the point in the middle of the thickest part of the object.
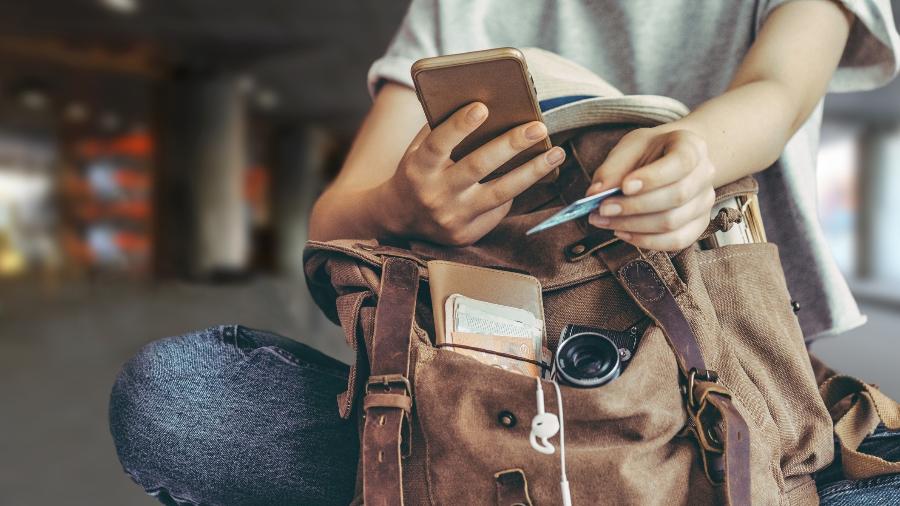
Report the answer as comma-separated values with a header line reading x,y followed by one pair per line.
x,y
210,418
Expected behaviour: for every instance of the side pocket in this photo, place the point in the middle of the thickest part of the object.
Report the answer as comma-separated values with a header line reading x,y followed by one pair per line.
x,y
747,291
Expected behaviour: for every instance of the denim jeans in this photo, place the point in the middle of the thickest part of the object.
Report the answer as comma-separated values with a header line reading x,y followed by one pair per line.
x,y
834,490
235,416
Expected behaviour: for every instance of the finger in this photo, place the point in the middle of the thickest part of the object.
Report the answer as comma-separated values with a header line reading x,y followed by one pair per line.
x,y
679,159
653,223
503,189
434,150
669,241
498,151
479,226
621,160
417,140
667,197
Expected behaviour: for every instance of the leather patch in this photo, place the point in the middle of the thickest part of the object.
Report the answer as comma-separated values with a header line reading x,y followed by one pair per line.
x,y
512,488
643,281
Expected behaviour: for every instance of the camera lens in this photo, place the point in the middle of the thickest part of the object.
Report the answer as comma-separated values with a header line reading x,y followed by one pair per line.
x,y
587,359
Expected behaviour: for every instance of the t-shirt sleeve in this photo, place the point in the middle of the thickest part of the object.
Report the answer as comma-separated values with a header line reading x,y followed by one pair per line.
x,y
416,38
870,58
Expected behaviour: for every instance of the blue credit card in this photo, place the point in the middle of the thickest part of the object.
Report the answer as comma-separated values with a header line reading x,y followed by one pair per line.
x,y
575,210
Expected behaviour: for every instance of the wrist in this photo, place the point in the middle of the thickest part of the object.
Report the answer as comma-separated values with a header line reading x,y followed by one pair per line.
x,y
388,213
687,123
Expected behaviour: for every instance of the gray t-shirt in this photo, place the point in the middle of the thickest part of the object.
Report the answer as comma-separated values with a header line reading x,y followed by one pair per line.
x,y
688,50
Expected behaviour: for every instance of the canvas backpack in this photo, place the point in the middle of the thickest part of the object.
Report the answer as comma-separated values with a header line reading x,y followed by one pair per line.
x,y
719,404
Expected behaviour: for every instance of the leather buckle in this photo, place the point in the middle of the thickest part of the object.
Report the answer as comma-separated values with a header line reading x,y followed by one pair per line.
x,y
386,380
384,397
704,417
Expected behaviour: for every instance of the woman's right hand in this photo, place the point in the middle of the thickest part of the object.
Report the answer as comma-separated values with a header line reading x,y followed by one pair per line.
x,y
431,197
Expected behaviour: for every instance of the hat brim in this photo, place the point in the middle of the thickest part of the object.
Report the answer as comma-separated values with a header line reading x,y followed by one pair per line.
x,y
644,110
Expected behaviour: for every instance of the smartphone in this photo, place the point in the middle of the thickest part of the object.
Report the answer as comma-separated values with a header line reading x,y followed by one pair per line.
x,y
499,79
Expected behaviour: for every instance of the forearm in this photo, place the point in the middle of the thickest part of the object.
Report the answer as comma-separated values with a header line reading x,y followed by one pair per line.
x,y
779,83
343,213
745,129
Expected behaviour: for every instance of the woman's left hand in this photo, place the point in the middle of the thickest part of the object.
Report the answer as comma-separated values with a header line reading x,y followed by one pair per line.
x,y
666,178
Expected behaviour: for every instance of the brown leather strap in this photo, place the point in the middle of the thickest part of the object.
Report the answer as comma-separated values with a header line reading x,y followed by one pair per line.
x,y
512,488
735,436
388,393
721,431
641,280
400,401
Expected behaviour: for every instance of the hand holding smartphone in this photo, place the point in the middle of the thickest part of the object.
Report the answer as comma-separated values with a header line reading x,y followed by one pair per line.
x,y
497,78
485,145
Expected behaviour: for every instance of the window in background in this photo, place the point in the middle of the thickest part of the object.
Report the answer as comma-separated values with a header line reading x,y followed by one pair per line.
x,y
885,266
838,165
27,213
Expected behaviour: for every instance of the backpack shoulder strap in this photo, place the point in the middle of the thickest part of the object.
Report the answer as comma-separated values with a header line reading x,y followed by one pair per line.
x,y
868,408
719,428
388,397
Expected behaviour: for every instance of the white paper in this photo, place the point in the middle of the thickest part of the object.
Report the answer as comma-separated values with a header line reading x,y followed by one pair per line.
x,y
464,314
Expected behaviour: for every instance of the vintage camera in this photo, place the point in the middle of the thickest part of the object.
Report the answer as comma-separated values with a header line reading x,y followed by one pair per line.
x,y
588,357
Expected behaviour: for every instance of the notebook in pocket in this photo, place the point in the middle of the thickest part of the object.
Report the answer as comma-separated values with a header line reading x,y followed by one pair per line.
x,y
490,285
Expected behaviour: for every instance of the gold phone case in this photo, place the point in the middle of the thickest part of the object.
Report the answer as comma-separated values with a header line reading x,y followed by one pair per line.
x,y
498,78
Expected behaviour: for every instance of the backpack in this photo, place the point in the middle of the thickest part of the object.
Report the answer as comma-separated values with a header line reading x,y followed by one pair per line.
x,y
718,404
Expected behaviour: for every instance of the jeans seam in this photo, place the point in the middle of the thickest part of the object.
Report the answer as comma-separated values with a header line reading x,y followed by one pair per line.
x,y
230,334
155,492
290,357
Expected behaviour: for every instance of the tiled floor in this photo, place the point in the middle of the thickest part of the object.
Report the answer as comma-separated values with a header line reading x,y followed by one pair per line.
x,y
60,350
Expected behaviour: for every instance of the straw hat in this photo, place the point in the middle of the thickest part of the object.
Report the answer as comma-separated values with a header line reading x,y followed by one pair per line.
x,y
572,96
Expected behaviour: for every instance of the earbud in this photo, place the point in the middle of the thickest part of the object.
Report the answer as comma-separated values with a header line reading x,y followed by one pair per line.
x,y
543,426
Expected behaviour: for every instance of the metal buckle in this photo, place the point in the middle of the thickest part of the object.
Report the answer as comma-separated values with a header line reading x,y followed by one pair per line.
x,y
386,380
703,375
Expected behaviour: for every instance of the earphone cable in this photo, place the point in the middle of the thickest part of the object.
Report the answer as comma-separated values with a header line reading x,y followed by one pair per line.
x,y
564,480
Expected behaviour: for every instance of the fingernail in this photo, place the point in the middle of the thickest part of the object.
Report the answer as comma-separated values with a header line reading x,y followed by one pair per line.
x,y
611,209
535,132
601,221
595,188
555,155
477,113
632,186
623,235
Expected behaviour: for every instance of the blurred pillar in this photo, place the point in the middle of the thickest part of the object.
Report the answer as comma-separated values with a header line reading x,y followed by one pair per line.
x,y
298,176
201,222
867,181
878,204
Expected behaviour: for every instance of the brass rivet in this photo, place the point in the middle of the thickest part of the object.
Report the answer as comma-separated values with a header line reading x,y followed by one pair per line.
x,y
507,419
579,249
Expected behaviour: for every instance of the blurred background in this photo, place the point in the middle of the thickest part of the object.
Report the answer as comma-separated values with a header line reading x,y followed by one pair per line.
x,y
157,164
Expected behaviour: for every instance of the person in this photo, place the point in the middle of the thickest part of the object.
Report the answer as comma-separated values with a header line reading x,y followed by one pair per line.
x,y
236,416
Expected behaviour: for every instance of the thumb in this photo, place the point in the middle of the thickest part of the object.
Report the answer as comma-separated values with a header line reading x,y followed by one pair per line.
x,y
626,156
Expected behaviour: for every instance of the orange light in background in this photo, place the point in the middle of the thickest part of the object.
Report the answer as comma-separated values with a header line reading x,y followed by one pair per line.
x,y
132,180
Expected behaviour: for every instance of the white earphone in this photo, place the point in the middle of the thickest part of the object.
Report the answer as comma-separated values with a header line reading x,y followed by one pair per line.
x,y
546,425
543,426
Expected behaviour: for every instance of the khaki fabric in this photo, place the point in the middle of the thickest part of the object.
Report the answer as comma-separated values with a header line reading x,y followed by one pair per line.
x,y
867,408
626,442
